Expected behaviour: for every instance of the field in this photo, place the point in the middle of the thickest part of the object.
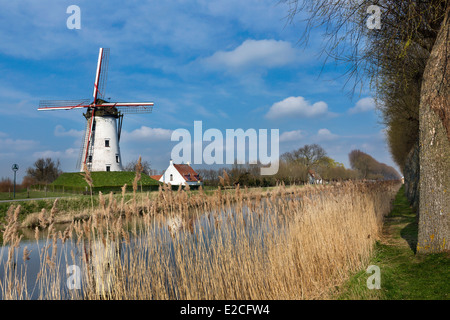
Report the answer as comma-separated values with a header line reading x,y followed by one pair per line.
x,y
285,243
24,194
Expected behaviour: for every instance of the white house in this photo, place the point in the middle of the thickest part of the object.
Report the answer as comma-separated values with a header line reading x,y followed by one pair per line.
x,y
183,174
314,178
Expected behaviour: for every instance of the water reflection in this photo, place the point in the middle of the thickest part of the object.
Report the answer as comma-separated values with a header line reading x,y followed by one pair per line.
x,y
158,240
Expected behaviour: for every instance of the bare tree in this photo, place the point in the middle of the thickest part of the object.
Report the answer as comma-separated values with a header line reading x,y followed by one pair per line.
x,y
309,155
44,170
146,167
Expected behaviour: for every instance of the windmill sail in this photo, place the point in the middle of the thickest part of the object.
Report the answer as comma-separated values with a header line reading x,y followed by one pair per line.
x,y
83,145
88,148
49,105
101,75
131,107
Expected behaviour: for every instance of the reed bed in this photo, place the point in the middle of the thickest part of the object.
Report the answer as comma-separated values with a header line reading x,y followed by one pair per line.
x,y
286,243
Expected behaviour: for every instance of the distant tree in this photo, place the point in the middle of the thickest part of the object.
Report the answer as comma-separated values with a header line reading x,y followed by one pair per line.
x,y
6,185
210,177
28,181
146,167
369,168
331,163
309,155
246,179
292,172
362,162
44,170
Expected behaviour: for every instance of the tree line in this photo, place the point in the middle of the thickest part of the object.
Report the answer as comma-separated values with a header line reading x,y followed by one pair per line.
x,y
296,167
406,61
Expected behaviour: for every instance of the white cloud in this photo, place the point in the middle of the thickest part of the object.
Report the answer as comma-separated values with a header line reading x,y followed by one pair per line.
x,y
297,107
9,144
70,153
291,136
253,53
61,132
223,114
363,105
201,110
15,101
148,134
325,135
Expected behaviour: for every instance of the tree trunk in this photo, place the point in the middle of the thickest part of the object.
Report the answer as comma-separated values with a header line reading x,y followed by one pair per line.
x,y
411,172
434,204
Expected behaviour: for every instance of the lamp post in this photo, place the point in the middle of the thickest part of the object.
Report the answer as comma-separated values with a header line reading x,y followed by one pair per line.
x,y
15,167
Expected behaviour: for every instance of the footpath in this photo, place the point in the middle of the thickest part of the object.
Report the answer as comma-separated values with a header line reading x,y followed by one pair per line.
x,y
404,274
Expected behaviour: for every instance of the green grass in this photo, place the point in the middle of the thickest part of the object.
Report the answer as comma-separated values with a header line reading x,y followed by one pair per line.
x,y
405,275
102,179
23,194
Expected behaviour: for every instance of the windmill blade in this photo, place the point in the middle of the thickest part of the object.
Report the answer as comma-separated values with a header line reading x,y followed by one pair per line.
x,y
102,74
49,105
131,107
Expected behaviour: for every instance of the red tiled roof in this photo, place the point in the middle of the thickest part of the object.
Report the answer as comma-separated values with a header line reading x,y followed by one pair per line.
x,y
187,172
313,174
157,177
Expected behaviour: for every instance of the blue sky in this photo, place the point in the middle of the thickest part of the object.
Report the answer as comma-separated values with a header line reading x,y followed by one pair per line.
x,y
231,64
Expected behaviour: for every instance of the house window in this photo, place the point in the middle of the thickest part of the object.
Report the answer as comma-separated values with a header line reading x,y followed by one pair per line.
x,y
90,159
107,143
117,158
171,177
108,168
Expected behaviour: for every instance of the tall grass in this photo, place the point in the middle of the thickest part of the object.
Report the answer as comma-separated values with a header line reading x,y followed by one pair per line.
x,y
286,243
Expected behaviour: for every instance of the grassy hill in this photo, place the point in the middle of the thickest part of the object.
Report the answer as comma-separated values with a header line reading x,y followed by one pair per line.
x,y
104,181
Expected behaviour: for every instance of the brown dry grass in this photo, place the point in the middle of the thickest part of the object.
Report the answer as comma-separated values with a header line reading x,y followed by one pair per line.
x,y
287,243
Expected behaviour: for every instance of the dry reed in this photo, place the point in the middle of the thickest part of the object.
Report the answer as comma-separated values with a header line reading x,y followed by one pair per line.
x,y
286,243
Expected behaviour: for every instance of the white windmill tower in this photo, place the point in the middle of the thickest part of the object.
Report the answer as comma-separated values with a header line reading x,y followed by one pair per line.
x,y
100,149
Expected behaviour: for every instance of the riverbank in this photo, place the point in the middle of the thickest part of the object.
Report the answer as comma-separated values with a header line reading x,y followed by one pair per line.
x,y
405,275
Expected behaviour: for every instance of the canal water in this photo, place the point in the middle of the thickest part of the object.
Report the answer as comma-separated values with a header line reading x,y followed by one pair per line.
x,y
64,261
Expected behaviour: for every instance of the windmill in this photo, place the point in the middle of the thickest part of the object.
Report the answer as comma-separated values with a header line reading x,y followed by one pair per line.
x,y
100,146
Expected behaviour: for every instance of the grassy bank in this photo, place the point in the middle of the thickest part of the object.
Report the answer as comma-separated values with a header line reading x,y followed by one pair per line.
x,y
102,179
404,275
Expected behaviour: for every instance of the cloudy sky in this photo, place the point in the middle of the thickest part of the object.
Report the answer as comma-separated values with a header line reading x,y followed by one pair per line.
x,y
229,63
